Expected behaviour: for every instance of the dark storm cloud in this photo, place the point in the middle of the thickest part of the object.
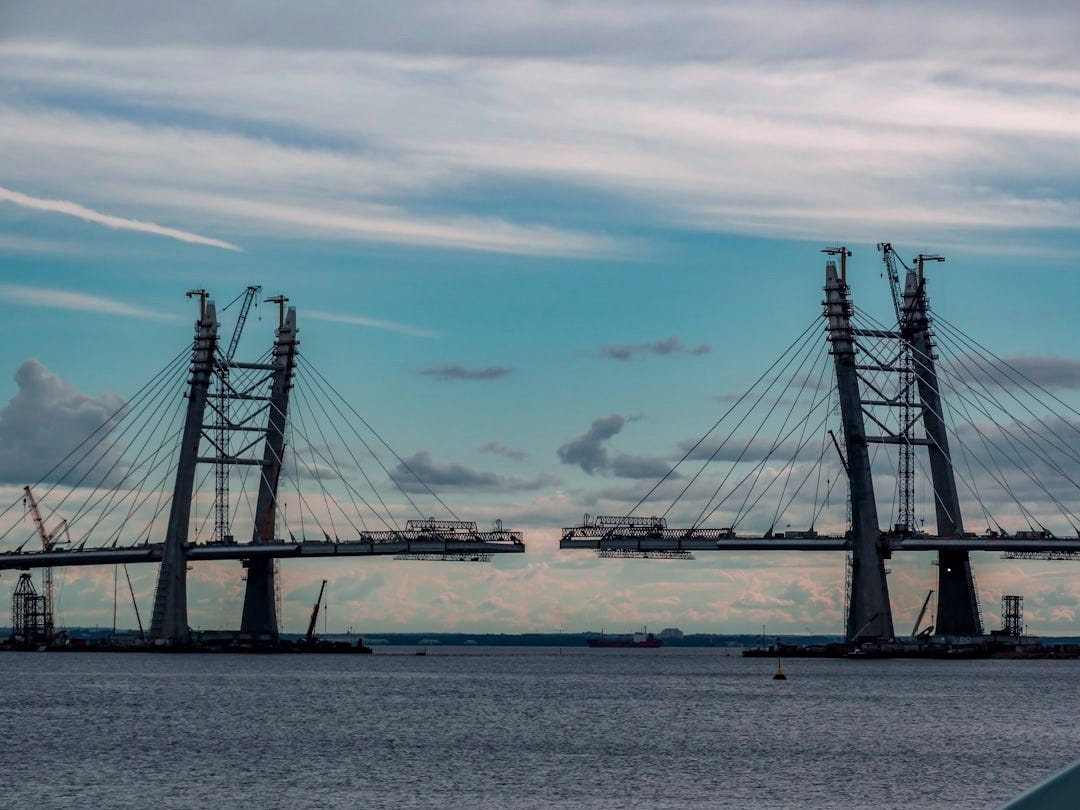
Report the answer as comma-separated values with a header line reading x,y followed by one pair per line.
x,y
442,475
668,346
500,449
308,471
45,420
456,372
1014,372
626,465
587,451
741,449
456,476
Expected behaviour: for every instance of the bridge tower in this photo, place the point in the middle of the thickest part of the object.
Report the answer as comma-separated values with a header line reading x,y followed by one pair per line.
x,y
869,612
260,609
169,622
958,605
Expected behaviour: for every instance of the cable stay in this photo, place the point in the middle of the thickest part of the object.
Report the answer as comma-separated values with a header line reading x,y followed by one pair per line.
x,y
783,413
894,378
115,487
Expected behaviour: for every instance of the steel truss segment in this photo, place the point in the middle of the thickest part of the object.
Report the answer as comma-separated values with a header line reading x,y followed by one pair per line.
x,y
628,554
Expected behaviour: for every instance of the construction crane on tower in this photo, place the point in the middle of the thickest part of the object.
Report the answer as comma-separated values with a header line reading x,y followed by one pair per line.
x,y
222,533
905,478
49,541
890,258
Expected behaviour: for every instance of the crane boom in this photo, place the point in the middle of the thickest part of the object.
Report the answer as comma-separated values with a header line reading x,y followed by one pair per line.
x,y
49,541
889,256
905,479
35,513
221,467
315,614
241,319
134,604
918,621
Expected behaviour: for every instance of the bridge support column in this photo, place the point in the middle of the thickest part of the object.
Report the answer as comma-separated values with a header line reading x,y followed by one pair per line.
x,y
170,622
869,612
260,610
958,604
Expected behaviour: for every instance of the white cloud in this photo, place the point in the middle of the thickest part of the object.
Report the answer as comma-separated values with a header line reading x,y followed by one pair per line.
x,y
784,122
373,323
46,419
381,223
82,302
73,209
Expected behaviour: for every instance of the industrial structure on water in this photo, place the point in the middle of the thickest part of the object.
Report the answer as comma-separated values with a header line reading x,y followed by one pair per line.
x,y
233,407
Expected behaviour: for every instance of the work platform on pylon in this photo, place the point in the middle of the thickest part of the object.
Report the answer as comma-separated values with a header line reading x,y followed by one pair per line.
x,y
238,418
886,388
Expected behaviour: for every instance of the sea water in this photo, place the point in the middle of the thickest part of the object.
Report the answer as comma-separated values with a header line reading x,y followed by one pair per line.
x,y
483,727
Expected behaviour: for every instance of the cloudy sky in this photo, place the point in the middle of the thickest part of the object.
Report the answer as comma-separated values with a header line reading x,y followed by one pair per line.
x,y
539,246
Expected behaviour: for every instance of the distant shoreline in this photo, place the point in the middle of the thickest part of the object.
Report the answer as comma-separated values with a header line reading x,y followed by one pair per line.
x,y
375,638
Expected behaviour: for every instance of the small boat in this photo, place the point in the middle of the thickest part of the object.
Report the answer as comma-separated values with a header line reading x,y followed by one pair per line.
x,y
422,651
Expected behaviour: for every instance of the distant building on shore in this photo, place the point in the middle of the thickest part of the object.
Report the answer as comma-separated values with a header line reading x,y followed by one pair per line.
x,y
669,633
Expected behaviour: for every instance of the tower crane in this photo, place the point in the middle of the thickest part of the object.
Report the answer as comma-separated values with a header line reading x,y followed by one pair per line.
x,y
49,541
221,468
889,256
905,478
249,298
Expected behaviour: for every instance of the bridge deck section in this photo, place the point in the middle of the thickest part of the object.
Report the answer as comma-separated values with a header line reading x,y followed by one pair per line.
x,y
372,545
597,538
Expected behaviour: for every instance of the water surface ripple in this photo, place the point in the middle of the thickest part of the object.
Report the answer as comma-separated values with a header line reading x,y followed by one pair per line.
x,y
528,728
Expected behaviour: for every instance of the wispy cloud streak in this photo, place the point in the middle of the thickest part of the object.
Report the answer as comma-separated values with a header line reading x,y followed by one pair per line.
x,y
668,346
372,323
73,209
81,302
456,372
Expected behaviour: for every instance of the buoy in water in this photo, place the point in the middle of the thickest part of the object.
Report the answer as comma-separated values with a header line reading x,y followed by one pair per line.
x,y
779,674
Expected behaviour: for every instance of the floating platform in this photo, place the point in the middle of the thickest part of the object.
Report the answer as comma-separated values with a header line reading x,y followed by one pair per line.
x,y
989,647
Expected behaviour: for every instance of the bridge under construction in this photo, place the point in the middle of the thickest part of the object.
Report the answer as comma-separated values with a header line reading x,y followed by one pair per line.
x,y
888,378
914,394
233,409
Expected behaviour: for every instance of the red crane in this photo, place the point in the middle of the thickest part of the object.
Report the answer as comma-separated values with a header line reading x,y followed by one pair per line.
x,y
49,541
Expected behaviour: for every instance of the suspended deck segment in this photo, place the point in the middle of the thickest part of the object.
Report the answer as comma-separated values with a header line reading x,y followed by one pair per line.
x,y
649,535
416,538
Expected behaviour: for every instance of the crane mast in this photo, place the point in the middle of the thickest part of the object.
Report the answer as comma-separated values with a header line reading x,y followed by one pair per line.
x,y
49,541
905,479
888,255
222,533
